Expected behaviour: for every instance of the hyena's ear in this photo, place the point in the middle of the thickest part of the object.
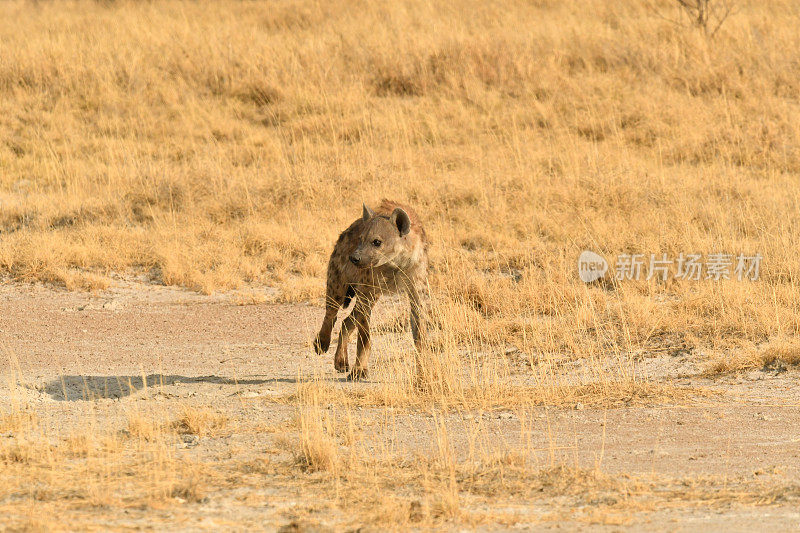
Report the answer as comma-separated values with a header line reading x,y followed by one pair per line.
x,y
368,213
400,219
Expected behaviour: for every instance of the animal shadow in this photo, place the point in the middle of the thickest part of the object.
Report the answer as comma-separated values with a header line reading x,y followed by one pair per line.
x,y
73,388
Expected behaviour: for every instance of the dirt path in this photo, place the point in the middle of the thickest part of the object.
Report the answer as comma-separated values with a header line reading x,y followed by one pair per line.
x,y
105,352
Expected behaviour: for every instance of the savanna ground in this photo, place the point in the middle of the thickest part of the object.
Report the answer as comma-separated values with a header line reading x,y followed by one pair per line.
x,y
174,174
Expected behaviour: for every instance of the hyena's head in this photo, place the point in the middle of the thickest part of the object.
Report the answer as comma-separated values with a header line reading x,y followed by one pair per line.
x,y
381,241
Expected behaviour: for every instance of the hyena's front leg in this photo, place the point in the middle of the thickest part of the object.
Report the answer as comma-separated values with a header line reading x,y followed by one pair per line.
x,y
333,301
340,360
323,340
362,315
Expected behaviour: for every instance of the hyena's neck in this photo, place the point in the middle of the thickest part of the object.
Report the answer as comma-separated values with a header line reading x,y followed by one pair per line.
x,y
408,259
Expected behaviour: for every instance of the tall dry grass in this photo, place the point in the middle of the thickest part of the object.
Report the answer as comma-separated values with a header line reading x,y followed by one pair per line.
x,y
214,145
219,144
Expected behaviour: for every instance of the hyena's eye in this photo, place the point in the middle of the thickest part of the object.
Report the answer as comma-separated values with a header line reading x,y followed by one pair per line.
x,y
376,243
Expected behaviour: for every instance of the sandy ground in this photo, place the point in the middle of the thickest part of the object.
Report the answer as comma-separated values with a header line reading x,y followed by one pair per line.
x,y
137,343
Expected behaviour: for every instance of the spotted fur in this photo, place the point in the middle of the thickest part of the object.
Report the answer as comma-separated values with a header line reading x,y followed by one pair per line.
x,y
383,252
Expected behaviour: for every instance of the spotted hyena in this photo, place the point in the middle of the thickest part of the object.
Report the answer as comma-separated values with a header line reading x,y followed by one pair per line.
x,y
383,252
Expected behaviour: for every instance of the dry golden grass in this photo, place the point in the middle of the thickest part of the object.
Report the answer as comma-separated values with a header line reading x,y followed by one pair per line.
x,y
340,460
96,467
224,145
385,487
502,395
778,353
198,421
218,145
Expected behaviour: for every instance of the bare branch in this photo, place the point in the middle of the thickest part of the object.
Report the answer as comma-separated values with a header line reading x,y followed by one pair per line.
x,y
706,14
725,15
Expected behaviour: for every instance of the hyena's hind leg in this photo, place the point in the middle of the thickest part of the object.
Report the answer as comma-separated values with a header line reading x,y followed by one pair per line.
x,y
419,299
333,301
